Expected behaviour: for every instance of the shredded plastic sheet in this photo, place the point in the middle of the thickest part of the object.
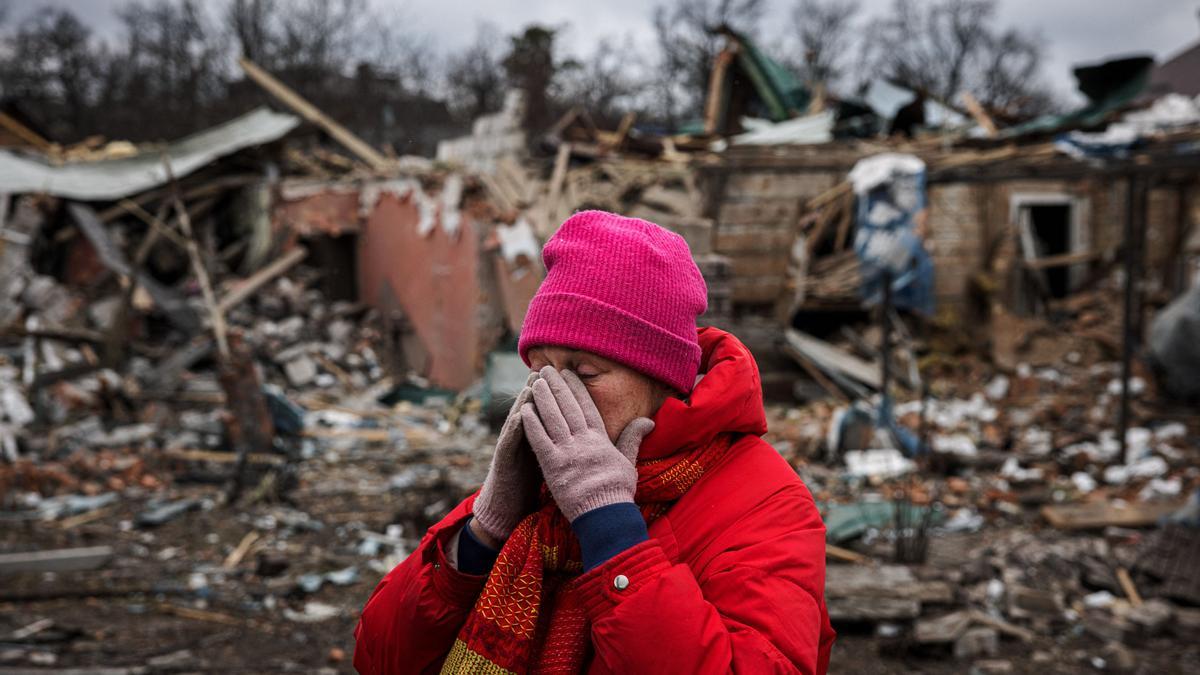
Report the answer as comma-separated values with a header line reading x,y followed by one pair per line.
x,y
891,191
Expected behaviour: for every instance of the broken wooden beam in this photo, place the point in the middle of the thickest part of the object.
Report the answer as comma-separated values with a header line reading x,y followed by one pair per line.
x,y
1128,587
254,282
982,617
862,593
308,111
193,455
829,195
24,133
1063,260
171,303
981,116
1101,514
212,187
198,268
866,608
242,549
846,555
58,560
365,435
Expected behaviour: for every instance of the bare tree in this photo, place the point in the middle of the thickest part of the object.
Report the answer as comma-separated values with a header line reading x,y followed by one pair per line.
x,y
174,61
531,67
687,46
949,46
474,79
604,83
824,31
1006,76
54,66
407,55
253,25
321,37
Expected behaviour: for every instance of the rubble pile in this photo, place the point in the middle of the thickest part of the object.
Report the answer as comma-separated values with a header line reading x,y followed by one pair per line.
x,y
222,421
1040,532
122,480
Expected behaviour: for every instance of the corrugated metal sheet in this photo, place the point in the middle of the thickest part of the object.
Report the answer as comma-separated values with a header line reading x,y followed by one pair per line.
x,y
108,180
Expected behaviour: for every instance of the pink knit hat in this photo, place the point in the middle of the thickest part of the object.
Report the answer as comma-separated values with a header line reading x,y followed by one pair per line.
x,y
623,288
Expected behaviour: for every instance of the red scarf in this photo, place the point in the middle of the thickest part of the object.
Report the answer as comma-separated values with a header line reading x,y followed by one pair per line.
x,y
529,617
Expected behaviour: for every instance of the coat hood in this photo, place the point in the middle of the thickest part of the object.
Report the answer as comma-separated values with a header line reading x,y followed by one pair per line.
x,y
727,399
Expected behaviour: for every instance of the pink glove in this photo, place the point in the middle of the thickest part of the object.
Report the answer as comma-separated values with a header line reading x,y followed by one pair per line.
x,y
583,469
510,489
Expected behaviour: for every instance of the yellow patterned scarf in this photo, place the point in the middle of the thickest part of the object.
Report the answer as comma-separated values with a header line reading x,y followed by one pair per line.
x,y
529,617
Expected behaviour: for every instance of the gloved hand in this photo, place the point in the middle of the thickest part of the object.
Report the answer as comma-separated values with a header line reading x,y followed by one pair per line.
x,y
510,490
582,467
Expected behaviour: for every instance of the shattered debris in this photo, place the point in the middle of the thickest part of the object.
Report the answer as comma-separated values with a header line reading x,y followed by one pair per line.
x,y
235,391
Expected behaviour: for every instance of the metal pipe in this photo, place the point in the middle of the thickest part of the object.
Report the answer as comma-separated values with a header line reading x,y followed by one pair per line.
x,y
1134,210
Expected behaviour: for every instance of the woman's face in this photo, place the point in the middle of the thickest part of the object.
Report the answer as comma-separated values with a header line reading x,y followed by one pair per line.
x,y
620,393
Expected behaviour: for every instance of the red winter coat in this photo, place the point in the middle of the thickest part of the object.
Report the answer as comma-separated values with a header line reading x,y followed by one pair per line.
x,y
731,580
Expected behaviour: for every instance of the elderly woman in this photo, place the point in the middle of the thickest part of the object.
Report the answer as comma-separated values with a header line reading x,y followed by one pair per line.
x,y
632,520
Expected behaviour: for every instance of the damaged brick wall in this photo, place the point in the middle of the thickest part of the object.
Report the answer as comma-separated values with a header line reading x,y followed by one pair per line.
x,y
420,261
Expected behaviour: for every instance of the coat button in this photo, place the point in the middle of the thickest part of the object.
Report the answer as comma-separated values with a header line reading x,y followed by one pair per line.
x,y
621,582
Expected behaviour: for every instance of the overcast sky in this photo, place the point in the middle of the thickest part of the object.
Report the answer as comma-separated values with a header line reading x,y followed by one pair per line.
x,y
1075,31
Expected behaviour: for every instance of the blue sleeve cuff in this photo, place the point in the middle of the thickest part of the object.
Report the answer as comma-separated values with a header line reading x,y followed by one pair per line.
x,y
607,531
474,556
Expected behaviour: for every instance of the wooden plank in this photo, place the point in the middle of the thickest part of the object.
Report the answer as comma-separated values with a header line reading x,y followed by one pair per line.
x,y
1062,260
242,549
58,560
83,518
717,90
561,161
251,284
623,130
942,629
191,455
1127,585
845,554
1101,514
311,113
884,580
367,435
979,616
24,133
844,222
516,184
818,231
499,193
211,187
201,272
867,608
829,195
982,118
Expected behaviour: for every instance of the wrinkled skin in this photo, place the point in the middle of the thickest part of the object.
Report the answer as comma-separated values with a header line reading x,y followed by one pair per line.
x,y
620,393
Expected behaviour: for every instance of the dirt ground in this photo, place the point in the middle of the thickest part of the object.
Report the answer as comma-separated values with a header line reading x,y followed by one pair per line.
x,y
167,603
